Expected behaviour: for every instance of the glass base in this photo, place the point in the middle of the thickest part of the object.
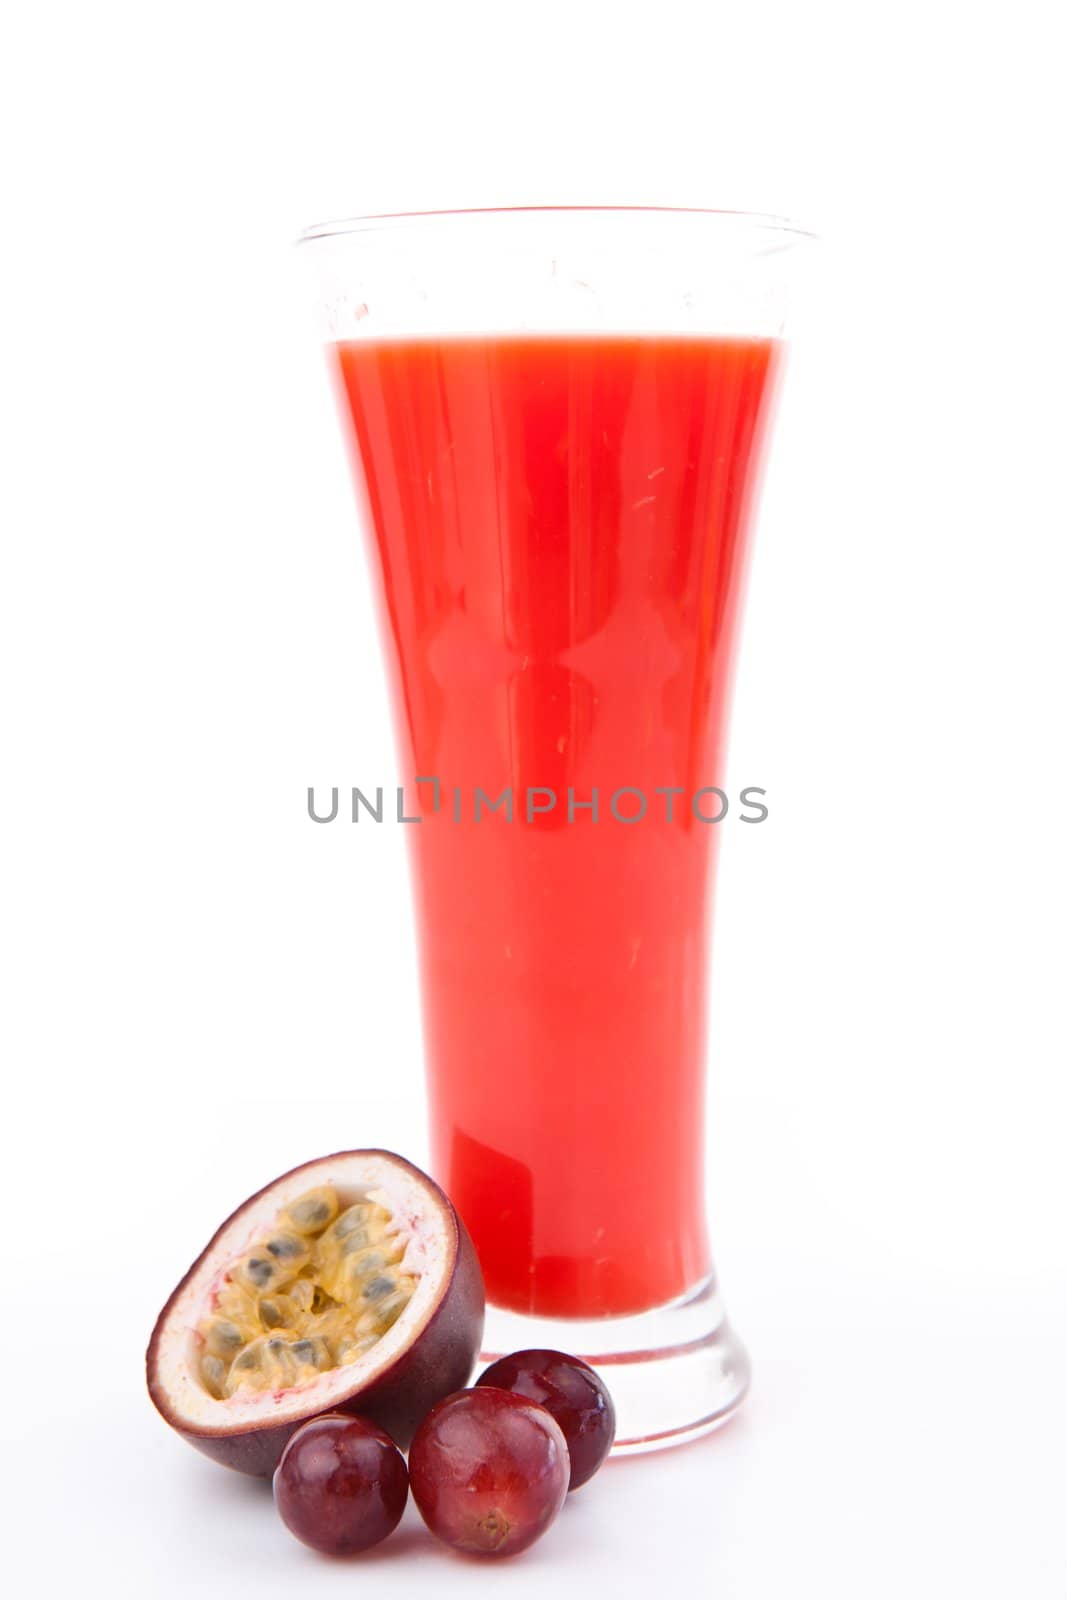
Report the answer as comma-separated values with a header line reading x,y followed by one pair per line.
x,y
674,1373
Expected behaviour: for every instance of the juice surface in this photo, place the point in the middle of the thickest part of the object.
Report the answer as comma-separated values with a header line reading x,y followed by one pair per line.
x,y
558,524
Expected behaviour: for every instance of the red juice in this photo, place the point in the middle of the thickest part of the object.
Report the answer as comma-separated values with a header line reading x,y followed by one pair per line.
x,y
559,524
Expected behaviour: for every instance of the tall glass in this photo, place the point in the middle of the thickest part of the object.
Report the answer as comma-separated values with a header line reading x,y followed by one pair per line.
x,y
556,419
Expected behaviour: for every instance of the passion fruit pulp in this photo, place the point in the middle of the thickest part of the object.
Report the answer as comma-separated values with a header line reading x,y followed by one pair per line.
x,y
347,1285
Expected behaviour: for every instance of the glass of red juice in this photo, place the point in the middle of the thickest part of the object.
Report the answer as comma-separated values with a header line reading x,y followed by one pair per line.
x,y
556,419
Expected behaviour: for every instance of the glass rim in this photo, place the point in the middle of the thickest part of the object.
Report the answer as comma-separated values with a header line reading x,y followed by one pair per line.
x,y
754,222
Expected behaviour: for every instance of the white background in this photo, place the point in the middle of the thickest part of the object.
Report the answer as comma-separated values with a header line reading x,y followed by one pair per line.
x,y
201,988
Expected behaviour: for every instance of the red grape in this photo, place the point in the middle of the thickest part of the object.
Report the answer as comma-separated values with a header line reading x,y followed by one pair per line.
x,y
489,1471
574,1394
341,1485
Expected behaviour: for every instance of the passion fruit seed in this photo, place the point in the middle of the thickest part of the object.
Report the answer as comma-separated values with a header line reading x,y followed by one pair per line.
x,y
312,1212
213,1372
290,1250
222,1338
386,1305
355,1242
278,1361
258,1272
271,1313
315,1352
349,1279
378,1288
364,1213
316,1294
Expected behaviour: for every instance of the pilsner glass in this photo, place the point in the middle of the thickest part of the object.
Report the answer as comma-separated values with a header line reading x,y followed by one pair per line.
x,y
556,419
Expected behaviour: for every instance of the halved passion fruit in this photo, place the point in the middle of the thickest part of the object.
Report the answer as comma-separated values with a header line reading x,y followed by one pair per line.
x,y
349,1284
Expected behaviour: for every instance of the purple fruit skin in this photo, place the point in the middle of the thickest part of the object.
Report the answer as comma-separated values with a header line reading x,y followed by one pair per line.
x,y
341,1485
489,1471
439,1361
574,1394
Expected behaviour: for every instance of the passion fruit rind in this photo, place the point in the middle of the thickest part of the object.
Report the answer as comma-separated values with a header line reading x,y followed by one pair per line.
x,y
429,1352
